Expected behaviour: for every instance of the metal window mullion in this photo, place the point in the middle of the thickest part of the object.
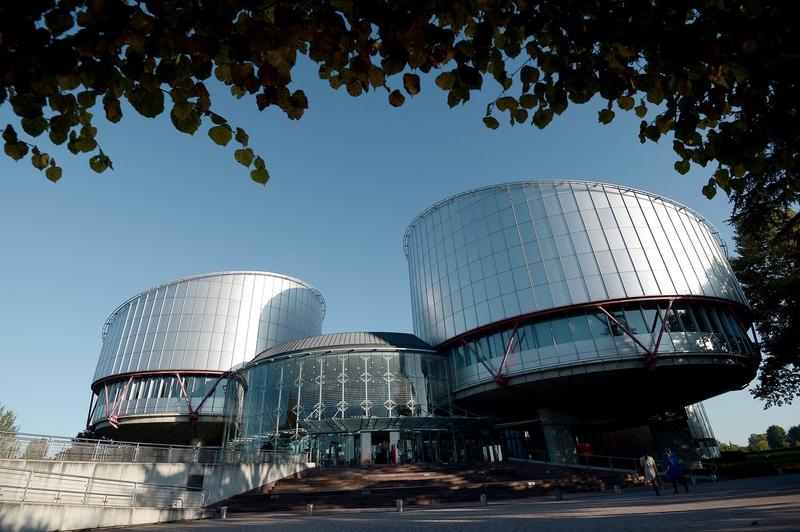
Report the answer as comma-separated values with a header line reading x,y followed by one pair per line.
x,y
278,408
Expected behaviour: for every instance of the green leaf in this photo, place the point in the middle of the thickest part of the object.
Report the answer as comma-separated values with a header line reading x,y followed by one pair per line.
x,y
53,173
9,135
16,150
87,99
710,190
100,163
491,122
625,103
244,156
259,175
682,167
411,83
396,98
446,80
376,76
640,110
217,119
39,160
147,103
242,137
528,101
520,115
506,103
112,108
605,116
652,133
529,74
221,134
185,117
542,117
259,162
34,126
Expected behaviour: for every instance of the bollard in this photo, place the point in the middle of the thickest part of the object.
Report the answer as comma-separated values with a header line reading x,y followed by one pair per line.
x,y
559,493
484,500
399,505
617,489
694,480
309,510
223,512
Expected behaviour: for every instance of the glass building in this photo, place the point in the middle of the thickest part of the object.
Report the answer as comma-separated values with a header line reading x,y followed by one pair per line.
x,y
551,319
349,398
166,352
568,302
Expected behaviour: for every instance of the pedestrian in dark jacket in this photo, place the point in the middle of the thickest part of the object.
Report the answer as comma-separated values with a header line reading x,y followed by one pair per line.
x,y
672,470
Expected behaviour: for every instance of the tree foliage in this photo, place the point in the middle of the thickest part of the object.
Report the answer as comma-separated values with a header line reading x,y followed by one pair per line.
x,y
8,421
793,435
720,77
776,437
768,266
757,442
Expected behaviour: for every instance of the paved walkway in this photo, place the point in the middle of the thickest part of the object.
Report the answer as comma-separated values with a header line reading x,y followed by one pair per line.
x,y
767,503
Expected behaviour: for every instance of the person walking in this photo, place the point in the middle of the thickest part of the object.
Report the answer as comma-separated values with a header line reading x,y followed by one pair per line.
x,y
648,464
672,470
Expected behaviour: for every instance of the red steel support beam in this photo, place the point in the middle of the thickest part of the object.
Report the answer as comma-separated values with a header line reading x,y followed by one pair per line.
x,y
112,416
508,348
650,354
208,394
650,359
624,329
480,359
192,419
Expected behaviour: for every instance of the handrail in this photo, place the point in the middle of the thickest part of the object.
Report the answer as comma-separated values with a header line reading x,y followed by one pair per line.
x,y
23,446
607,463
84,490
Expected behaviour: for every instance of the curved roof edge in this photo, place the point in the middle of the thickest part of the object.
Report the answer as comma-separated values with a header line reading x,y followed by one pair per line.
x,y
623,188
218,274
348,340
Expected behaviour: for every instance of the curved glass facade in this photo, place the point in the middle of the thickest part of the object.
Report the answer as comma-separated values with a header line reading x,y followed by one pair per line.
x,y
208,322
334,387
503,251
166,348
588,335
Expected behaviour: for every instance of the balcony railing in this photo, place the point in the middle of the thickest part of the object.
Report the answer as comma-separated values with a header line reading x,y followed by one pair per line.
x,y
43,447
23,485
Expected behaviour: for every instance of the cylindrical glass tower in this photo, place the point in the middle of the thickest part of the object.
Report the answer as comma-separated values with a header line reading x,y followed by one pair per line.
x,y
570,291
166,352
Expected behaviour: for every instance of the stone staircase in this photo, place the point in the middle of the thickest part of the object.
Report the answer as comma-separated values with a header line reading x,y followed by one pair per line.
x,y
376,486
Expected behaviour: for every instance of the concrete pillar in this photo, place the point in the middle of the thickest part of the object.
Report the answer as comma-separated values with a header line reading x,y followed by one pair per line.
x,y
366,447
558,436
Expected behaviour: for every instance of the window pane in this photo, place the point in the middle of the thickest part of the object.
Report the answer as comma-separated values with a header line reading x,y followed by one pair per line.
x,y
598,324
652,318
561,331
544,335
580,328
636,322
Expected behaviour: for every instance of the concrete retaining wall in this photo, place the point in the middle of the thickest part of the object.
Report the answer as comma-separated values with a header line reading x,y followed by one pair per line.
x,y
29,517
221,481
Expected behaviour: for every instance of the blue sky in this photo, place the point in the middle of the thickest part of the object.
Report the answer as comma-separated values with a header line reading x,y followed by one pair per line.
x,y
346,181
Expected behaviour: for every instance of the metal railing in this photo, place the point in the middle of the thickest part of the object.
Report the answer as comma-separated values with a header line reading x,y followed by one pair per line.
x,y
617,464
24,485
610,463
43,447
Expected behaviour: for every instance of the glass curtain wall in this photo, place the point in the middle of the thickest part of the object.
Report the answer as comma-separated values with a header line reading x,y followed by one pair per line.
x,y
588,334
272,398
